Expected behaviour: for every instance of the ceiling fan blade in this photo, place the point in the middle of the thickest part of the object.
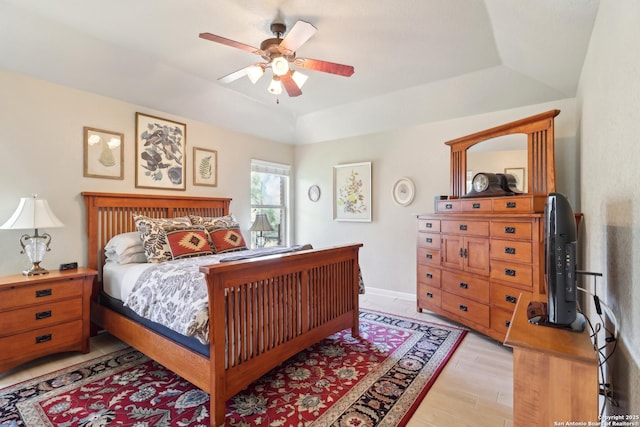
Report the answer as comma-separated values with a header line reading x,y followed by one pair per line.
x,y
296,37
324,66
229,42
233,76
289,85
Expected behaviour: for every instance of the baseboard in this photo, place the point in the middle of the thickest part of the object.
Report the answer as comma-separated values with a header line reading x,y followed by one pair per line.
x,y
391,294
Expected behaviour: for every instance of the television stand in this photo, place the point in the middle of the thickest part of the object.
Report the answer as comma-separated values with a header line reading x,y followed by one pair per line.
x,y
555,373
538,314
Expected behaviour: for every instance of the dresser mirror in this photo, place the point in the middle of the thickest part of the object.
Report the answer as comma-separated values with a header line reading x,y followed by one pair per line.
x,y
503,154
536,132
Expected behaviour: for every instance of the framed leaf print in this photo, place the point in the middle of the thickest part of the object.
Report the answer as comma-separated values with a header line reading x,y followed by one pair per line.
x,y
103,153
160,148
205,167
352,192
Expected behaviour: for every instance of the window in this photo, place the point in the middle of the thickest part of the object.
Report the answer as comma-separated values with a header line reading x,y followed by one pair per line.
x,y
270,196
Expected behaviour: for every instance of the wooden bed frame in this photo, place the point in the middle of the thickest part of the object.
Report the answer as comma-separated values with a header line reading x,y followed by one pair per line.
x,y
263,310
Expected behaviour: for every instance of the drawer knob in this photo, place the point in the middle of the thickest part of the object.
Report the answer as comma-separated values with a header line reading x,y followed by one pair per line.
x,y
44,293
429,240
476,206
463,227
507,323
43,314
511,205
510,230
509,298
510,251
464,285
43,338
429,256
429,294
463,307
509,272
428,225
448,206
429,276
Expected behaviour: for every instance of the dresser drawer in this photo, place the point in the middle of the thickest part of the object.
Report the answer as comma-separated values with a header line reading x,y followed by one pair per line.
x,y
37,294
429,275
500,320
512,204
449,206
467,309
432,225
428,240
466,227
39,316
429,297
466,286
477,205
511,230
506,297
428,256
510,250
512,273
42,341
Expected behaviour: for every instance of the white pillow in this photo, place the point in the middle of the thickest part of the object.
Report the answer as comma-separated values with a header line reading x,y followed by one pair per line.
x,y
125,248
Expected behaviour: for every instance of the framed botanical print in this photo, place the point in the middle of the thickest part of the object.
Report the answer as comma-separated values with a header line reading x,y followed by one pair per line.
x,y
160,153
103,153
205,167
352,192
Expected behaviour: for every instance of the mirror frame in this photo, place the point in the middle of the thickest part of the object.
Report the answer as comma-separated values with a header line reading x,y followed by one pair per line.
x,y
541,171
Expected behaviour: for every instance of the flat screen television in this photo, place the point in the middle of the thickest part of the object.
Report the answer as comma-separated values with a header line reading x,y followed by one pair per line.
x,y
560,244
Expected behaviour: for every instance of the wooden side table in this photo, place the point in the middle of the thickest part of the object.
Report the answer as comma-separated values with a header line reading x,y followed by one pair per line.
x,y
45,314
555,373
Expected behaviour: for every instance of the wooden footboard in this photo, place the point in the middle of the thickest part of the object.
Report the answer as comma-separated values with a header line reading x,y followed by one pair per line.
x,y
262,311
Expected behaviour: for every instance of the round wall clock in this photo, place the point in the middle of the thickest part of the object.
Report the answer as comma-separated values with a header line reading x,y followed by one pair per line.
x,y
403,192
314,193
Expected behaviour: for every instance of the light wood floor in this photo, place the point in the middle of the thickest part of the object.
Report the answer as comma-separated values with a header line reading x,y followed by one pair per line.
x,y
474,389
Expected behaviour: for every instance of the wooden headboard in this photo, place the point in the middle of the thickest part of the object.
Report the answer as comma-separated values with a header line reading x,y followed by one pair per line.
x,y
109,214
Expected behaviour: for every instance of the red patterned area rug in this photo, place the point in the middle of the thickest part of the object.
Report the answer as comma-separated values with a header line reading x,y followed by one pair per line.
x,y
376,380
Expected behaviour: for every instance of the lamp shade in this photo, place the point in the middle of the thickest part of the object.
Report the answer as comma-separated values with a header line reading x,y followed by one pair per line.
x,y
32,213
261,223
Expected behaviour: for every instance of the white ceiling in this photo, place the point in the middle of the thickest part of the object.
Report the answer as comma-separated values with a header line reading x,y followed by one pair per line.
x,y
415,61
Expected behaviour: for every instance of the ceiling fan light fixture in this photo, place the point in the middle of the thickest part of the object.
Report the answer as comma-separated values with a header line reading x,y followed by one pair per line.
x,y
275,87
254,72
280,66
299,78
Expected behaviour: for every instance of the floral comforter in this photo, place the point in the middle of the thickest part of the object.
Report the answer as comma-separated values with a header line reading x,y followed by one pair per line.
x,y
175,295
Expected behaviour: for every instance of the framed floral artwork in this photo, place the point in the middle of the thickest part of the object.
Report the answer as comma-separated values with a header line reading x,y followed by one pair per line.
x,y
352,192
103,153
205,167
160,153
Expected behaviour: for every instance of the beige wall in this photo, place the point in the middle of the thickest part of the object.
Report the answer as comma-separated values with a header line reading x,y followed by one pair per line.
x,y
41,144
388,256
609,100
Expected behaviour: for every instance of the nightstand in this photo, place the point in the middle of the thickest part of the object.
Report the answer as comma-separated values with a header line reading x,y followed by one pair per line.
x,y
44,314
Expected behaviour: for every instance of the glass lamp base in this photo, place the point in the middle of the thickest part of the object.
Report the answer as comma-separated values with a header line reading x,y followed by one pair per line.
x,y
35,270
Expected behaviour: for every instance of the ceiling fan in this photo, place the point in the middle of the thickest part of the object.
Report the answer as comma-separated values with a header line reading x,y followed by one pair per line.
x,y
279,53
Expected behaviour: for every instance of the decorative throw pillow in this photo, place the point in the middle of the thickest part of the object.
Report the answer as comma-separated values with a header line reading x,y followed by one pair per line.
x,y
189,242
227,240
153,232
213,222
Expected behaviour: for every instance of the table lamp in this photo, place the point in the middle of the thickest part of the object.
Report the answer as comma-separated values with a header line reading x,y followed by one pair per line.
x,y
35,213
260,225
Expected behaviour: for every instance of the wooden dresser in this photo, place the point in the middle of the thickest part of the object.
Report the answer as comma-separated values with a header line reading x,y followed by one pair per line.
x,y
475,256
44,314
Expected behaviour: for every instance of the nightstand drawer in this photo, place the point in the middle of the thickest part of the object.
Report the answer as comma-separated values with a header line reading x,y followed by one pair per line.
x,y
42,341
40,316
428,240
39,293
428,256
429,297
